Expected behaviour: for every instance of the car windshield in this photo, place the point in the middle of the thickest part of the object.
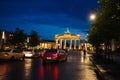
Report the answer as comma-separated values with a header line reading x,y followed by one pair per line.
x,y
5,50
27,50
51,51
16,51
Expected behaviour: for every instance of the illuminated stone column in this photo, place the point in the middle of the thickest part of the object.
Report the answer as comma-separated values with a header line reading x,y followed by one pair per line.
x,y
65,44
85,46
71,44
113,45
61,44
56,43
79,44
74,44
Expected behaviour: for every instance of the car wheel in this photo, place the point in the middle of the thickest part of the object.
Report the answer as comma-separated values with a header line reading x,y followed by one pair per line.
x,y
23,58
66,59
59,61
44,62
12,58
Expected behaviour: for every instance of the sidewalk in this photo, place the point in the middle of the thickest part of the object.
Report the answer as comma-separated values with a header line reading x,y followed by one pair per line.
x,y
108,69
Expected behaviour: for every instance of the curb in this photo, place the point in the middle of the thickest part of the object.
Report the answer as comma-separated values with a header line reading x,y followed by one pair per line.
x,y
97,68
101,71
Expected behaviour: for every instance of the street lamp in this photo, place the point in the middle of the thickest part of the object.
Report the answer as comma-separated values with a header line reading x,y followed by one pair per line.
x,y
28,40
3,35
92,16
3,38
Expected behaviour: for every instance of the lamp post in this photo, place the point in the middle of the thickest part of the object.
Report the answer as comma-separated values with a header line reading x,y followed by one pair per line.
x,y
28,40
3,38
92,17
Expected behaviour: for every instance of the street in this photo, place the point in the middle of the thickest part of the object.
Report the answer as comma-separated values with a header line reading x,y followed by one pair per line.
x,y
77,67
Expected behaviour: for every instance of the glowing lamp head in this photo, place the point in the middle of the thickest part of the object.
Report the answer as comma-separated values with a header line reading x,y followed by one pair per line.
x,y
3,35
92,17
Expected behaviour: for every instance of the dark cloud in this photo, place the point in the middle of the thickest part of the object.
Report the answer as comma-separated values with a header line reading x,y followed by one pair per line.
x,y
60,13
73,8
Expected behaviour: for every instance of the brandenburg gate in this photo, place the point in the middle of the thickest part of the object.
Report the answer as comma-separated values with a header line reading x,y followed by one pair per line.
x,y
60,38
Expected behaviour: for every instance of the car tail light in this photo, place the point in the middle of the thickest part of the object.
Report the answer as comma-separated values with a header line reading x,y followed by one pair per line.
x,y
6,54
56,55
42,54
30,52
23,53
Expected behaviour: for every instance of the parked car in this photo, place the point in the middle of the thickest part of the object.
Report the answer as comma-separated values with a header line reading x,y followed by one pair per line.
x,y
11,54
28,52
31,53
54,55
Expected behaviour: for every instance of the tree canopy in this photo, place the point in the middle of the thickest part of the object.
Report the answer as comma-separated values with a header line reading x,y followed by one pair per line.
x,y
106,26
18,38
34,38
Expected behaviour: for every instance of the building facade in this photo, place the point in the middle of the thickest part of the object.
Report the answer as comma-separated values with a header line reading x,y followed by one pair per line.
x,y
5,38
61,40
46,44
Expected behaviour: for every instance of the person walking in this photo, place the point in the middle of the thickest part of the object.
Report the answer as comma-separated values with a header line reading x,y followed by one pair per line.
x,y
84,52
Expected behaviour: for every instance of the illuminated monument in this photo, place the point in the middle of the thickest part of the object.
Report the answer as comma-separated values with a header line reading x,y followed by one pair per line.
x,y
60,38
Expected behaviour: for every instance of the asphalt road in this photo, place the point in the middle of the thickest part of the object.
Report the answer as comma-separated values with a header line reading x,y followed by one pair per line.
x,y
77,67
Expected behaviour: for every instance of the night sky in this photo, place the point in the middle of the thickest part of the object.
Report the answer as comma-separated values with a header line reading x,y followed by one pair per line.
x,y
47,17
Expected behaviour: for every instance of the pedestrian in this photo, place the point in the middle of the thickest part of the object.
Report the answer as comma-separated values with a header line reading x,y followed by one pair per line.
x,y
84,52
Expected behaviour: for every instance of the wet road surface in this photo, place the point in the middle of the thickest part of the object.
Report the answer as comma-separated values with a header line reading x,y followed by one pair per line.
x,y
77,67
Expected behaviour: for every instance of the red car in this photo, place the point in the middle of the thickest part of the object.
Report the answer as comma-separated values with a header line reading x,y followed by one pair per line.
x,y
54,55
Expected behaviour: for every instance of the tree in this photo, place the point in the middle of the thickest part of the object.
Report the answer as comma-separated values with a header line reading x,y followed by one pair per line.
x,y
18,38
106,26
95,37
110,12
34,39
